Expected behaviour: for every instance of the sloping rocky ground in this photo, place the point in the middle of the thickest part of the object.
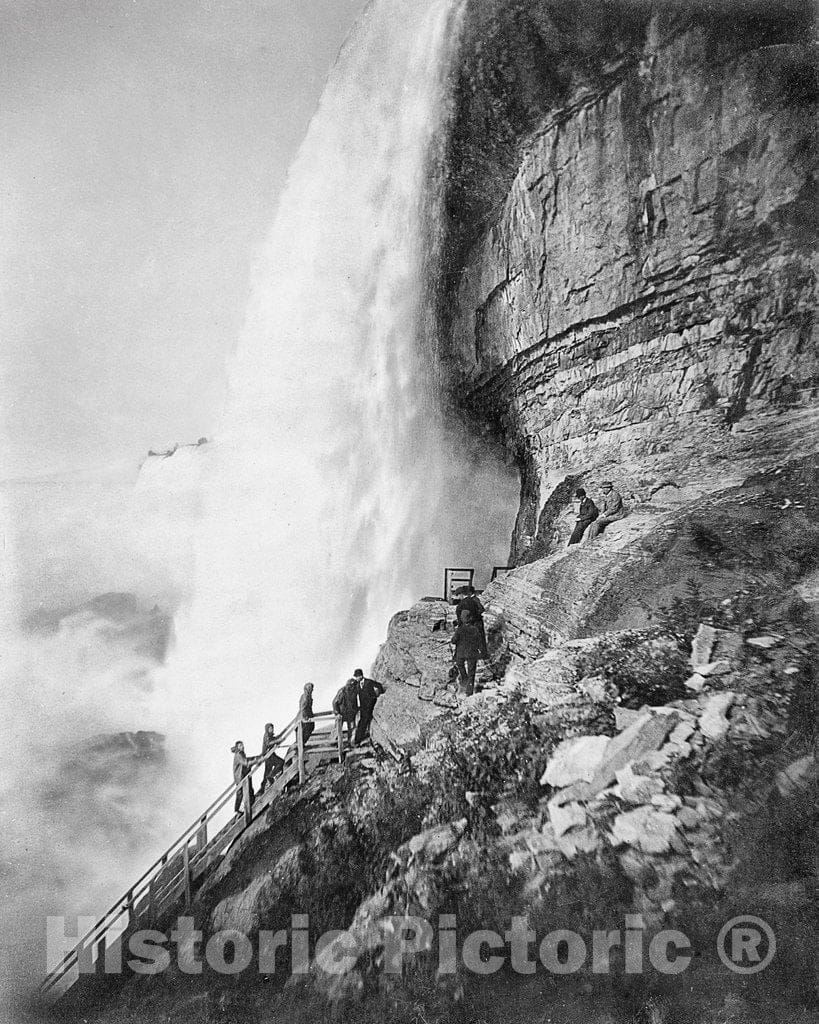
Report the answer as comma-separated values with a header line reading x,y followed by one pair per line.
x,y
660,766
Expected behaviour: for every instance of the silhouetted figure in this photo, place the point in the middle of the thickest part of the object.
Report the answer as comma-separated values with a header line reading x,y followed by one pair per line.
x,y
467,641
471,604
306,712
241,768
273,764
586,515
611,509
345,706
368,693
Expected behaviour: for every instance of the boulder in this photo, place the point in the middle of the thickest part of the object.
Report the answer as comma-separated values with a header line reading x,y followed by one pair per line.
x,y
695,682
763,642
433,843
714,668
445,698
624,717
668,802
637,789
426,691
640,738
645,828
575,760
578,840
688,818
713,722
596,688
710,645
566,816
796,775
702,645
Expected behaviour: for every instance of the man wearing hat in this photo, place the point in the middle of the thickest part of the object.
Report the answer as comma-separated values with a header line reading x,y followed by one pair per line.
x,y
345,706
368,693
470,603
611,509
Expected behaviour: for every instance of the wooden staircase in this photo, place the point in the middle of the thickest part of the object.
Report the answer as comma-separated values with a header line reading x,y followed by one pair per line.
x,y
175,875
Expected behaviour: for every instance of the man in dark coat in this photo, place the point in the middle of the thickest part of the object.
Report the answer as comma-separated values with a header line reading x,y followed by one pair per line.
x,y
368,693
467,641
471,604
345,706
586,515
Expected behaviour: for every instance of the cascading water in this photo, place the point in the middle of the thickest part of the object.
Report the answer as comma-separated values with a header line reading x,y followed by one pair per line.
x,y
335,493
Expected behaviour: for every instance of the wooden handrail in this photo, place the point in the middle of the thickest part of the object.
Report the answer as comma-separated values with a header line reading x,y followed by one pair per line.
x,y
129,901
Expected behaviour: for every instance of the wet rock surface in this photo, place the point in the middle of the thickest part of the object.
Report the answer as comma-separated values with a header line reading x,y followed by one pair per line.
x,y
659,336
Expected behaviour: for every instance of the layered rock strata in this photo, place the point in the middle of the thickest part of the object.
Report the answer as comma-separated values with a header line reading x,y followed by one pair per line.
x,y
641,305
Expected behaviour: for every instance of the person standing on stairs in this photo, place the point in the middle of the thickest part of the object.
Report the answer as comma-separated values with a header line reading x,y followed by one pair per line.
x,y
273,764
345,706
467,641
471,604
368,693
586,515
306,712
241,768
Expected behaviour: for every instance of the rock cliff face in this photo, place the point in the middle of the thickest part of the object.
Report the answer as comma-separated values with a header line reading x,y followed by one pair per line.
x,y
640,303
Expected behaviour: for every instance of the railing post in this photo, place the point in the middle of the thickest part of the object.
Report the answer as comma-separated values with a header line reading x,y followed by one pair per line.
x,y
246,799
99,963
129,907
340,738
202,834
186,872
300,742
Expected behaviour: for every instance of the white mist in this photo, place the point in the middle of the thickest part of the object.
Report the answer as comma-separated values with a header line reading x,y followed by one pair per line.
x,y
335,493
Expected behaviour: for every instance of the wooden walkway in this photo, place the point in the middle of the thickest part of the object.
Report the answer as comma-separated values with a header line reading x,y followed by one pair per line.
x,y
173,877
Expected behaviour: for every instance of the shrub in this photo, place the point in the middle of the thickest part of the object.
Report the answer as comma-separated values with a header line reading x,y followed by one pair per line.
x,y
643,670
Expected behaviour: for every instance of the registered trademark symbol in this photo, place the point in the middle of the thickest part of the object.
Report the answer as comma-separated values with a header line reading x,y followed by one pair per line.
x,y
746,944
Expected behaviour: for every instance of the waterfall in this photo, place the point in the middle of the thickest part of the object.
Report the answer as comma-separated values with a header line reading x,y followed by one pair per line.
x,y
335,492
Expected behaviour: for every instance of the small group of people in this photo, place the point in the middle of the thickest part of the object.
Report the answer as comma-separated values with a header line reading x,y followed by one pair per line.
x,y
469,639
243,765
354,704
593,518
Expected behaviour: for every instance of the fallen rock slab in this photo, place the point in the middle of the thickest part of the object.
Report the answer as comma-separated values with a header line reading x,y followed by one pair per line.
x,y
713,722
578,840
796,775
763,642
640,738
637,789
624,717
645,828
566,816
712,644
714,668
575,760
435,842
